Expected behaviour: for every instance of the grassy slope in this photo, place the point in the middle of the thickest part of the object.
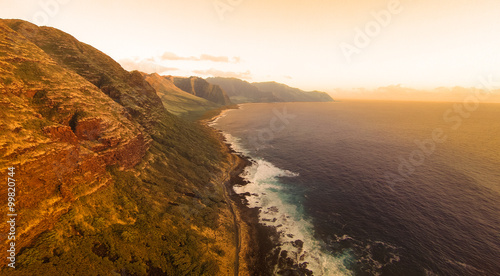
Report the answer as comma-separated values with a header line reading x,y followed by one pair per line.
x,y
177,101
163,217
167,216
126,88
201,88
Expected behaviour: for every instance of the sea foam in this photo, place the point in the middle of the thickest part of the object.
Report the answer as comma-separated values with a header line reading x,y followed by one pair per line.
x,y
280,210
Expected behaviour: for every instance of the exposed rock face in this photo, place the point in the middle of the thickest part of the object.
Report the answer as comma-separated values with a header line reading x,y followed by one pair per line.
x,y
59,130
61,133
177,101
201,88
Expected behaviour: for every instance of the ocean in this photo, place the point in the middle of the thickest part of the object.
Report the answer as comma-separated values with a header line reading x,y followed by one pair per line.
x,y
373,187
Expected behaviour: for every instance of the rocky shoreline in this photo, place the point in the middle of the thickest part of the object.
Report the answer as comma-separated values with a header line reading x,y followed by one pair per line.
x,y
254,239
258,254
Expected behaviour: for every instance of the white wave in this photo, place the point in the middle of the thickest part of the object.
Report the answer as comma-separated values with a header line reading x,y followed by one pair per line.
x,y
234,144
266,193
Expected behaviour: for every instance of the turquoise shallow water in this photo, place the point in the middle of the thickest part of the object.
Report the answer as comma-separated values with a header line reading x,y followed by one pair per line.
x,y
367,190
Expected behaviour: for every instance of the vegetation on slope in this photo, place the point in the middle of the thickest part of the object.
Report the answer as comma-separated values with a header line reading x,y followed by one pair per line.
x,y
177,101
201,88
126,88
110,182
163,218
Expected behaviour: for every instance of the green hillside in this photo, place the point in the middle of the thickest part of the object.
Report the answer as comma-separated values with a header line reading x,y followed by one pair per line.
x,y
177,101
201,88
109,182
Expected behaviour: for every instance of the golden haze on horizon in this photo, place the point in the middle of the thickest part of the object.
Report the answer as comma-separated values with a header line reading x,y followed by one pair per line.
x,y
420,44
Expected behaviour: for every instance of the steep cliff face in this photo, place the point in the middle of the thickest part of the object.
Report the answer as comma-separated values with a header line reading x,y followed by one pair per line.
x,y
106,177
201,88
177,101
59,131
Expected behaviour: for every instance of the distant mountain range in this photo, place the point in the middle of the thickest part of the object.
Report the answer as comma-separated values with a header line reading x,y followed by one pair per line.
x,y
240,91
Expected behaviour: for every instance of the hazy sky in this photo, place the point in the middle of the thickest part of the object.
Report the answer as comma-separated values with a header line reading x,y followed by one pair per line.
x,y
308,44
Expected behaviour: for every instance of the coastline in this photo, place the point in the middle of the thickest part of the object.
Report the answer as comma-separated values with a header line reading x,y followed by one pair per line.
x,y
253,239
259,249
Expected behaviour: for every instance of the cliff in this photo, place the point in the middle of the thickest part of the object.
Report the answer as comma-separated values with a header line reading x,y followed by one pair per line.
x,y
106,177
177,101
201,88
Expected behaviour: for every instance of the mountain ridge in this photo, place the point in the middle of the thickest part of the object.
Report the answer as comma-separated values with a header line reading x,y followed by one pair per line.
x,y
241,91
105,172
291,93
201,88
178,101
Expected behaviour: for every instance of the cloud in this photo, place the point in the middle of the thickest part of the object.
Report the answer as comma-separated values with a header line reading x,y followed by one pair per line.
x,y
203,57
172,56
214,58
217,73
144,65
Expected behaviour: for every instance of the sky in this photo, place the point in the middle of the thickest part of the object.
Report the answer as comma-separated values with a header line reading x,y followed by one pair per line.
x,y
334,45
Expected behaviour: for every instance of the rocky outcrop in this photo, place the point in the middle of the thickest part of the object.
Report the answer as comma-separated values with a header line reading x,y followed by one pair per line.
x,y
61,133
201,88
177,101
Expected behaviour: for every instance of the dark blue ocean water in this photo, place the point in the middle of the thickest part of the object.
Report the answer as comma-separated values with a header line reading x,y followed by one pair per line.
x,y
375,188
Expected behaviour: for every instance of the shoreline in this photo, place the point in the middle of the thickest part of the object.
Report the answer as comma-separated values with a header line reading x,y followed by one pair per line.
x,y
254,240
258,245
